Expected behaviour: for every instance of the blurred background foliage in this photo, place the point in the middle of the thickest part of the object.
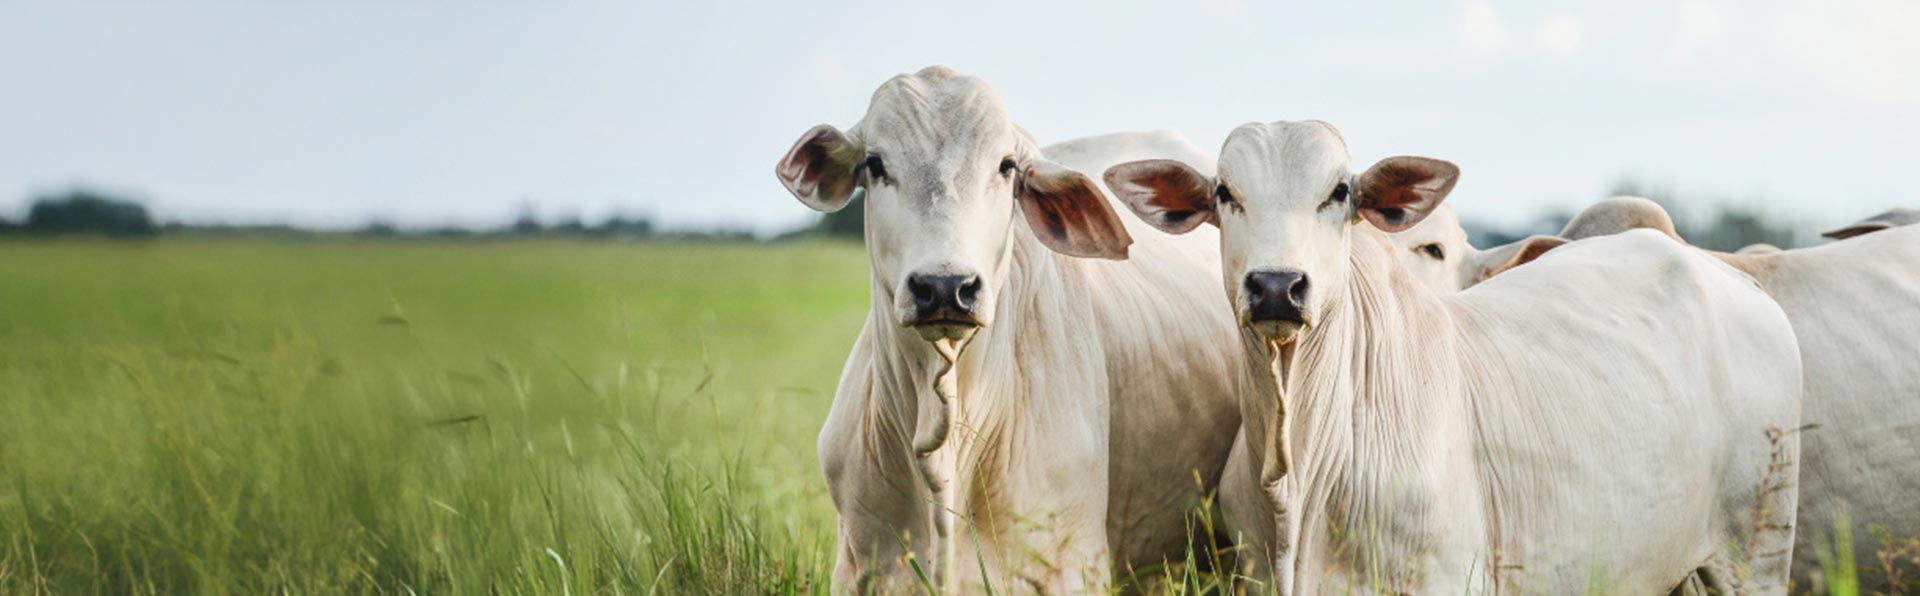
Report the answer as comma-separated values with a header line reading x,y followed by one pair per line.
x,y
1725,223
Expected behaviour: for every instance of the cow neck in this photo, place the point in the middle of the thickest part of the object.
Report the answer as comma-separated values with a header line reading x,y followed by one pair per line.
x,y
963,425
912,391
1368,410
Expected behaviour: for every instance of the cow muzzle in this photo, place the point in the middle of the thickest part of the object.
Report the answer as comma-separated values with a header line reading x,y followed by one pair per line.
x,y
1276,303
943,305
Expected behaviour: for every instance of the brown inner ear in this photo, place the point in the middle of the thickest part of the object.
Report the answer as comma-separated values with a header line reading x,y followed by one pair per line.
x,y
1070,215
1390,186
1399,192
1167,194
821,169
1534,248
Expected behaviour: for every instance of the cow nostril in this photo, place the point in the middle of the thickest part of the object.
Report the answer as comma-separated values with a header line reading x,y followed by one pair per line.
x,y
1276,295
944,297
1256,291
922,290
969,291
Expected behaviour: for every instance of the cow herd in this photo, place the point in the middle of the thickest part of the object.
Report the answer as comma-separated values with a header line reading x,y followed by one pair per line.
x,y
1047,388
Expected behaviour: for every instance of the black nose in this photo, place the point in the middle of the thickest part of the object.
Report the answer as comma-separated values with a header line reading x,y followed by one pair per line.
x,y
1276,295
943,299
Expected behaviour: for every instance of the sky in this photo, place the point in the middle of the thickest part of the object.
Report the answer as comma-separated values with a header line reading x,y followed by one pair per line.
x,y
428,113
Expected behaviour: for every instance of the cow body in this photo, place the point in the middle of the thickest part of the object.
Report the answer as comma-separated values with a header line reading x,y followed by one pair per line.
x,y
1085,423
1861,453
1615,417
1855,307
1439,443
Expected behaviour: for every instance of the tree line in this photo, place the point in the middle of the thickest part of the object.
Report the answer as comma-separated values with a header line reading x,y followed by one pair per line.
x,y
1724,224
86,212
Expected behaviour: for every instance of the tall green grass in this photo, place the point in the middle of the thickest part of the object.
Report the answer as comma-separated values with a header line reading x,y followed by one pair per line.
x,y
252,417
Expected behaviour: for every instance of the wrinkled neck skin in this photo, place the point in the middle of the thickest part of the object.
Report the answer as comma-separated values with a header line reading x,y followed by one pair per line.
x,y
1008,464
1371,492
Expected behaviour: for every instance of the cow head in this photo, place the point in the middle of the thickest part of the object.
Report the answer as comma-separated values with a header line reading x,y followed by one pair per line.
x,y
1286,200
1436,251
946,175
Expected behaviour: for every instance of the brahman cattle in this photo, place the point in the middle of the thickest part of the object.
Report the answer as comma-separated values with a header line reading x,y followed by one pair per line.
x,y
1855,307
1616,416
1021,411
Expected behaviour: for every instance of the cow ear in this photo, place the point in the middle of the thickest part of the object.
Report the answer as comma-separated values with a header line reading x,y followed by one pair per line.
x,y
1893,218
1398,192
1069,213
1168,194
1865,227
1499,260
822,169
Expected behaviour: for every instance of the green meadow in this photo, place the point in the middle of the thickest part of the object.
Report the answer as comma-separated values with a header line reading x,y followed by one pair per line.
x,y
248,417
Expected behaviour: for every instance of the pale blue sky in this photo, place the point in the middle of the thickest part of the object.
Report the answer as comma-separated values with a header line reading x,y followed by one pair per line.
x,y
428,112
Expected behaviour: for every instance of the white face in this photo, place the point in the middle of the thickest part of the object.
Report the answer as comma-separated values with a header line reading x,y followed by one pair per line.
x,y
1436,252
1285,207
1286,201
939,170
945,172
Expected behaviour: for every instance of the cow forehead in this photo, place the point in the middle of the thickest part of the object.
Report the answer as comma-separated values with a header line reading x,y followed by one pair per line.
x,y
1283,157
937,118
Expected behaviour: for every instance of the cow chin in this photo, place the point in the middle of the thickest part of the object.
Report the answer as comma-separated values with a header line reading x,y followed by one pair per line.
x,y
955,332
1279,332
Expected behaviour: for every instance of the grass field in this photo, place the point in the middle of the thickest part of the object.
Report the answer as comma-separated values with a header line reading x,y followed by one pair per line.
x,y
251,417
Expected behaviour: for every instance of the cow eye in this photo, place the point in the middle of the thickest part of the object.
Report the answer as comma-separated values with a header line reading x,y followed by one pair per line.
x,y
1432,249
1339,193
1007,166
875,170
1222,195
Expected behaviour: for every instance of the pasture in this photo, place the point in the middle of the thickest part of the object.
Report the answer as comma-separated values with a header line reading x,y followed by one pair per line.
x,y
249,416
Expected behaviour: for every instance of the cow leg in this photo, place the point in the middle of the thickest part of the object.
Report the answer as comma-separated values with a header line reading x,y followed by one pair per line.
x,y
1763,570
1692,586
1767,556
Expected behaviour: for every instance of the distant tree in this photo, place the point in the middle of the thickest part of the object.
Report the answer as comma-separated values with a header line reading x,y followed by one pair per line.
x,y
848,222
568,226
378,229
87,212
1736,226
1482,235
624,225
448,232
527,223
1726,225
7,226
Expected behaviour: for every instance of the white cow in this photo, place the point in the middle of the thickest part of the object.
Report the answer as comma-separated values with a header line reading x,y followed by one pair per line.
x,y
1013,416
1849,303
1610,415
